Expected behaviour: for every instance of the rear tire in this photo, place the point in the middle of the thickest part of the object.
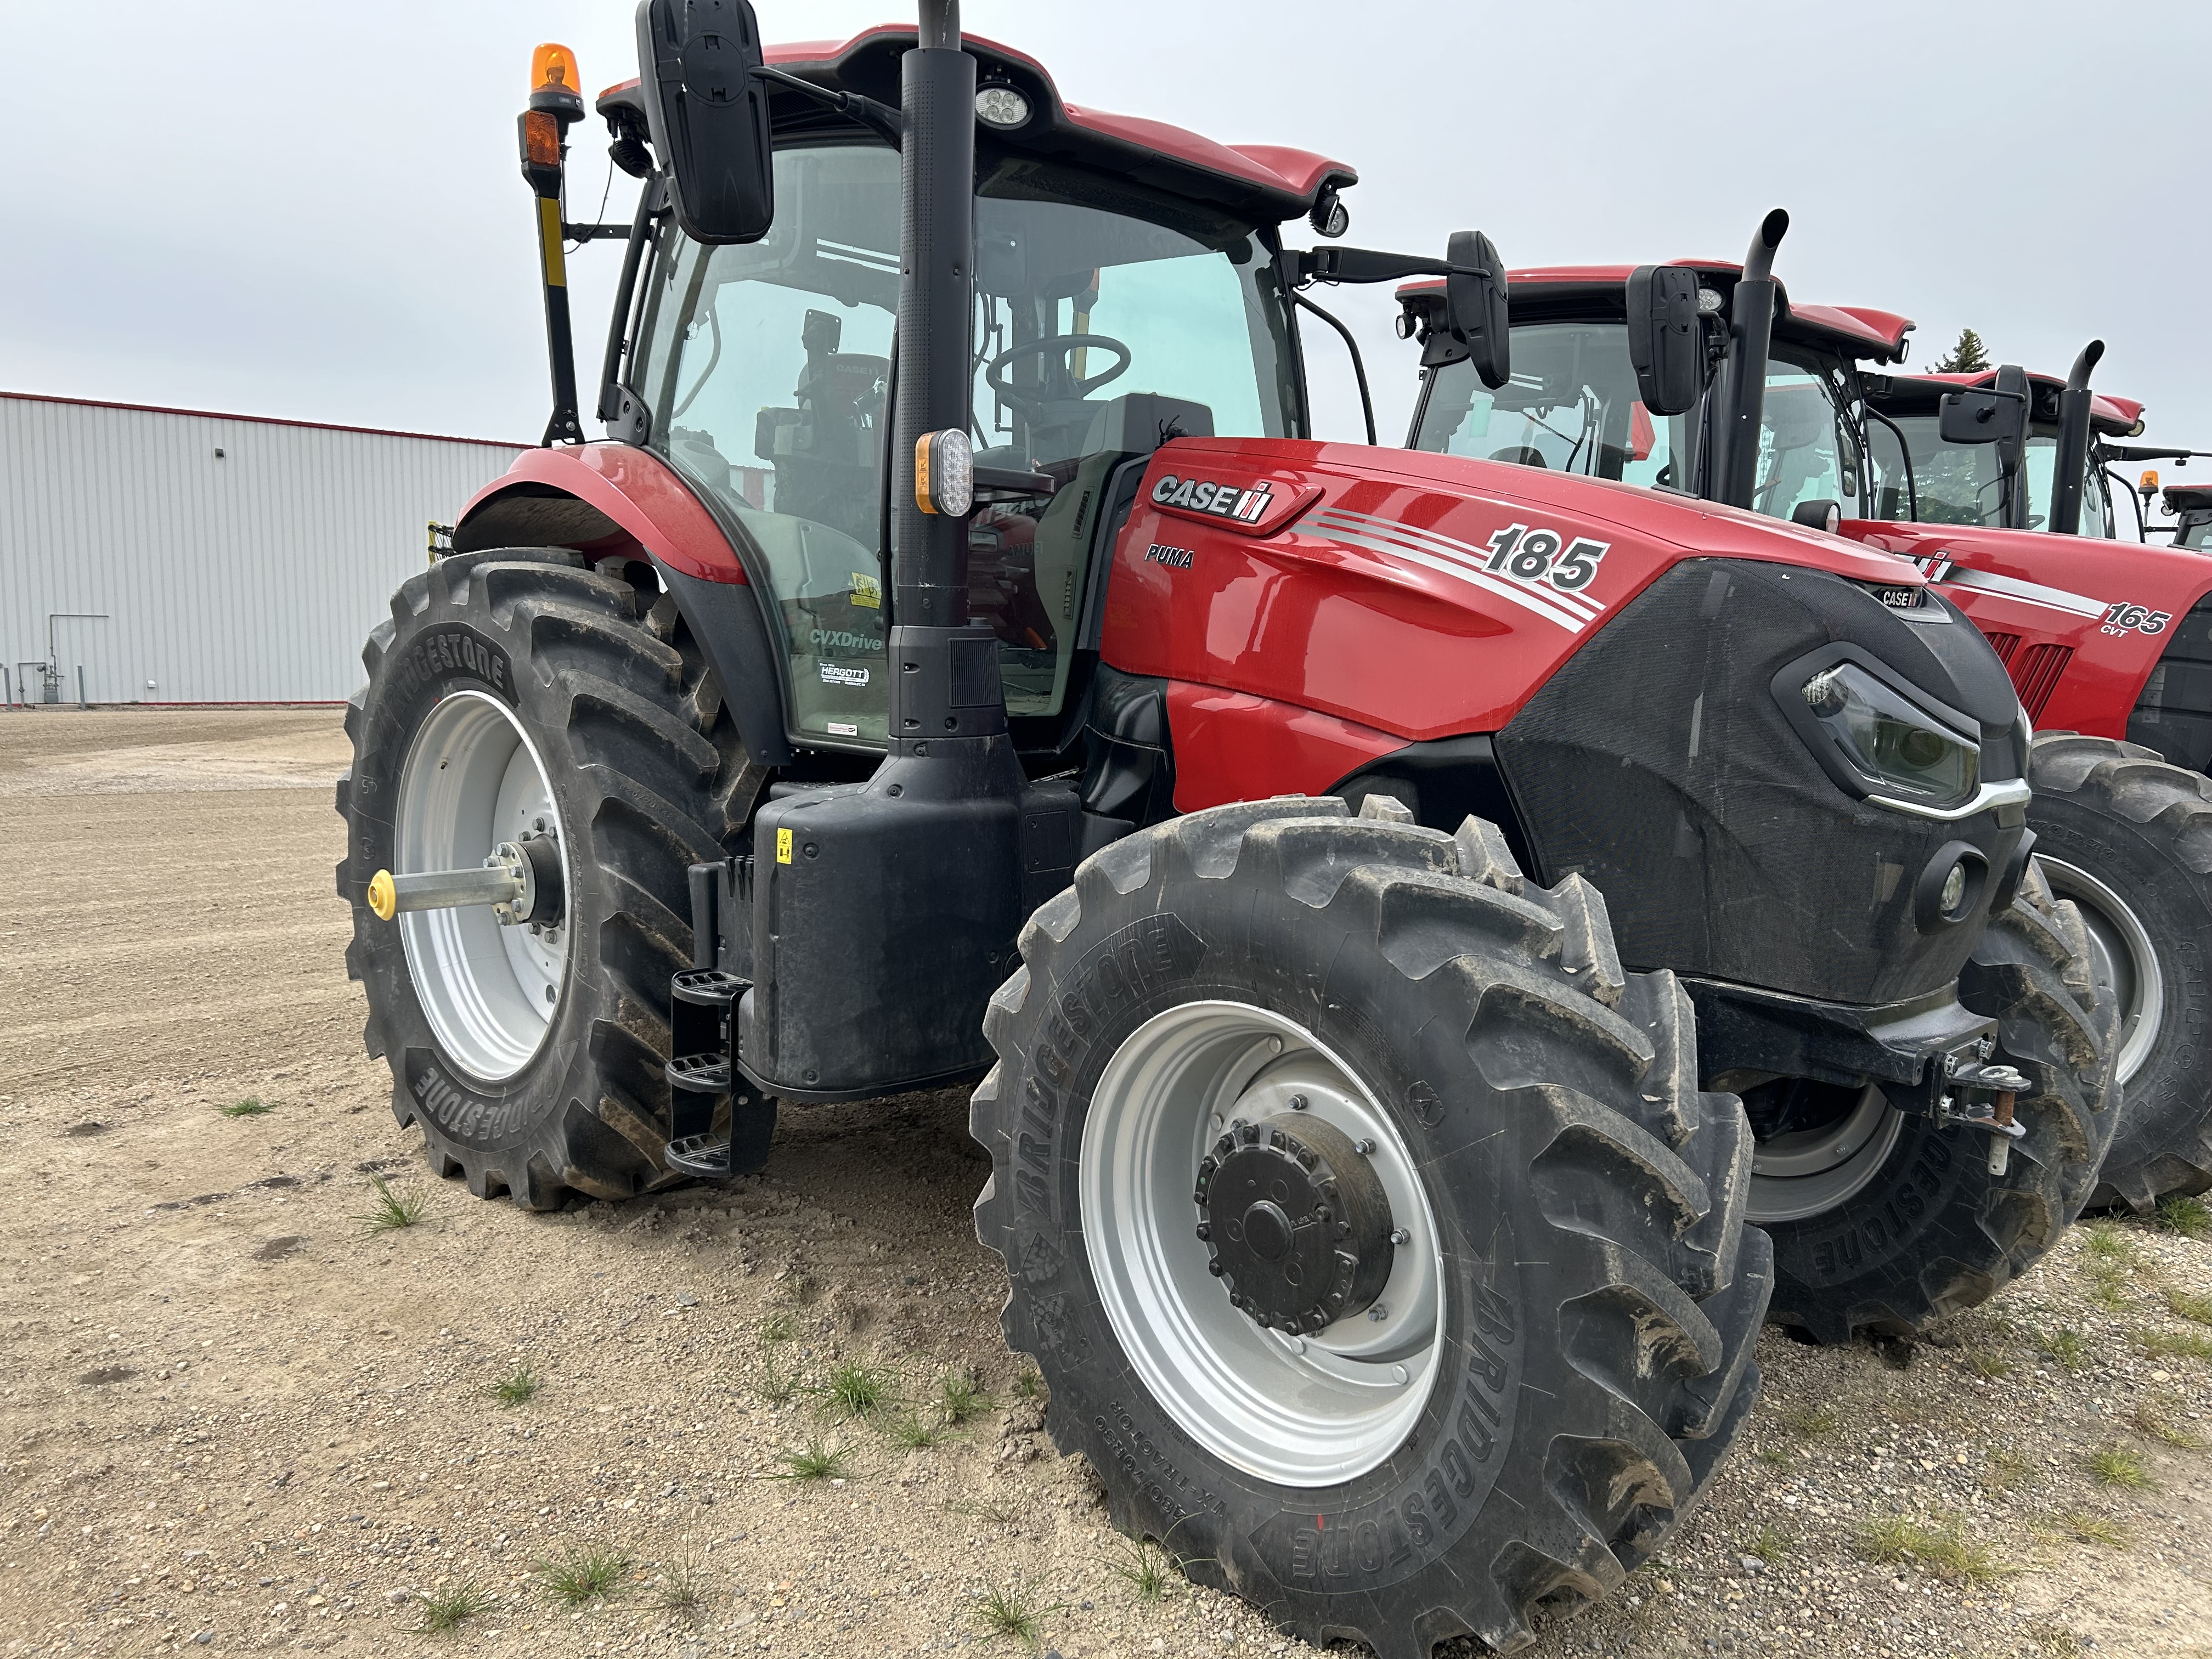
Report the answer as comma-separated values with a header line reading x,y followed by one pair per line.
x,y
1562,1354
1932,1233
2129,839
499,658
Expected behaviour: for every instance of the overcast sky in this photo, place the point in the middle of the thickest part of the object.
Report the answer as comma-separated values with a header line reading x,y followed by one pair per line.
x,y
314,211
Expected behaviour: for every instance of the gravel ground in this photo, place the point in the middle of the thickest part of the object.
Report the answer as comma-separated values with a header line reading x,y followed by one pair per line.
x,y
234,1417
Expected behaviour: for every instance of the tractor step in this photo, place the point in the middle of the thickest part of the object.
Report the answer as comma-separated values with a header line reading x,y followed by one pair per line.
x,y
708,987
705,1156
704,1074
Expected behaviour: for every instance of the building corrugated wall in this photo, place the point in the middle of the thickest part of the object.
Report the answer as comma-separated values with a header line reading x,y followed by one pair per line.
x,y
230,559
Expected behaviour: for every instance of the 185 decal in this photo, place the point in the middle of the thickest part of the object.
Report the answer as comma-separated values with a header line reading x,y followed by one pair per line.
x,y
1545,555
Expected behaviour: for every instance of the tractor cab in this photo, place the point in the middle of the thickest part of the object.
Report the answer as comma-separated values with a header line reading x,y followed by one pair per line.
x,y
1921,477
1112,311
2191,508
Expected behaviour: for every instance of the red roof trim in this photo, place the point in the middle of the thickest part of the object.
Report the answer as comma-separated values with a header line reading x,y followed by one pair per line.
x,y
1294,172
2120,413
259,420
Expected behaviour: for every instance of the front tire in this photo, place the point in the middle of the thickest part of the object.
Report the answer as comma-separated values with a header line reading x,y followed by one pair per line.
x,y
524,691
1922,1230
1518,1340
2128,838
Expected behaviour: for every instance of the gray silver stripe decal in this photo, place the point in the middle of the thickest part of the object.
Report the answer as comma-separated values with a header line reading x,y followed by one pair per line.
x,y
1581,604
2054,598
1454,559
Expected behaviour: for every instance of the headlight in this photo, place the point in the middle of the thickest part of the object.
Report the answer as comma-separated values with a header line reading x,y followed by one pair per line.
x,y
1894,746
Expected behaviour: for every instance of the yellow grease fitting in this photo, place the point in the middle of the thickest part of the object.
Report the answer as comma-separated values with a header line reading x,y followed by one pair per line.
x,y
549,233
381,898
783,846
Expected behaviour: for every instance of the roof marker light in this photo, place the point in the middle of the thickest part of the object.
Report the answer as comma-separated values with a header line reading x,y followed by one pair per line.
x,y
1001,107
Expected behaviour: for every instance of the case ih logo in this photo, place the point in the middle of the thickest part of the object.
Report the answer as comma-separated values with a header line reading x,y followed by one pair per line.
x,y
1220,500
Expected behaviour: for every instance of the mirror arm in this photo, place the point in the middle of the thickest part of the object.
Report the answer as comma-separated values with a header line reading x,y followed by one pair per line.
x,y
1325,265
1359,369
881,118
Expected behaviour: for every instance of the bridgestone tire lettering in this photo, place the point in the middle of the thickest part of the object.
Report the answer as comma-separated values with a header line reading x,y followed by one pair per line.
x,y
1603,1294
649,776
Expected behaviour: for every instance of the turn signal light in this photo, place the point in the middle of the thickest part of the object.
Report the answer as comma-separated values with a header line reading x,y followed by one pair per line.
x,y
944,473
541,139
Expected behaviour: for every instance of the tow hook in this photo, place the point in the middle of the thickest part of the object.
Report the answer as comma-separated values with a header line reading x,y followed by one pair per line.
x,y
2002,1084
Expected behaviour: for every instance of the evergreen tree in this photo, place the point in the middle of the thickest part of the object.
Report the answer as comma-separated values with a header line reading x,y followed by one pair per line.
x,y
1967,357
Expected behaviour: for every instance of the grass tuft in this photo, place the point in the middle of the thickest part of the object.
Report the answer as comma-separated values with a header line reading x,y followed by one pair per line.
x,y
2190,1217
682,1589
250,1107
2185,1344
1987,1362
519,1389
2182,1305
2009,1468
1029,1385
1815,1424
1144,1566
2104,1241
2149,1422
1007,1612
913,1431
391,1211
2117,1466
1774,1457
778,1327
583,1576
817,1460
960,1396
858,1391
2093,1529
1771,1545
445,1610
2070,1348
1939,1545
777,1387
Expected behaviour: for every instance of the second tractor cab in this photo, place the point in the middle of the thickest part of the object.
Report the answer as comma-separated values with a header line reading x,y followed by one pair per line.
x,y
2189,507
1636,375
957,663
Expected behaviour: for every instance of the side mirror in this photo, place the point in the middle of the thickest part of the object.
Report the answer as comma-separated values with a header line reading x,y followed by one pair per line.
x,y
1477,325
1666,338
1988,415
707,115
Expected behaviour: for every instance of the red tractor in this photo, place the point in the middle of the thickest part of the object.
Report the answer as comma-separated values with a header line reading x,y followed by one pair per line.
x,y
1632,376
956,662
1988,483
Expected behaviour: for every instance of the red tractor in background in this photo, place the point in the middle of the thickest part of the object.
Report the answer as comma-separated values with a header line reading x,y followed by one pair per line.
x,y
1988,484
1338,870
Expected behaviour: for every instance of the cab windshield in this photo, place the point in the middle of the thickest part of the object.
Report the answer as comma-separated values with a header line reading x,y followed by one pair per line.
x,y
1959,484
1571,405
1100,307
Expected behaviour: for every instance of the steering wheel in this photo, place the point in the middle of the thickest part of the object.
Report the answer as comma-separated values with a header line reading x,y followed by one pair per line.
x,y
1055,347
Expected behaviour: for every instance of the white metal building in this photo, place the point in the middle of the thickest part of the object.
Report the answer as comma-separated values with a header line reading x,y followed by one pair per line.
x,y
180,556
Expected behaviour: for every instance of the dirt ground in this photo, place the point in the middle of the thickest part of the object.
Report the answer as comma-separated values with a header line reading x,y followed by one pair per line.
x,y
232,1418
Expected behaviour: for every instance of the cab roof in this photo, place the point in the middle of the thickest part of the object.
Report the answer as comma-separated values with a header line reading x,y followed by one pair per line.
x,y
1264,183
1855,330
2110,415
2187,497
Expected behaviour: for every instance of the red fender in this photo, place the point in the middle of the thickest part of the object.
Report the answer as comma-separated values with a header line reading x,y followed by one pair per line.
x,y
636,489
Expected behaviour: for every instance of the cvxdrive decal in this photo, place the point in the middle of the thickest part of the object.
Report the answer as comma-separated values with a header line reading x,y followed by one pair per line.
x,y
1541,570
1222,501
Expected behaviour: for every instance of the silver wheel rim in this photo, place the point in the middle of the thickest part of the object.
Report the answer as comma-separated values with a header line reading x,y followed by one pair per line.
x,y
1302,1411
1810,1172
472,780
2122,959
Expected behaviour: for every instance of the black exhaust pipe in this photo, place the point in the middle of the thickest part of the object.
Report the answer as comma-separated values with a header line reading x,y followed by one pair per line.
x,y
2070,466
1751,332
